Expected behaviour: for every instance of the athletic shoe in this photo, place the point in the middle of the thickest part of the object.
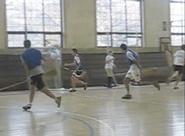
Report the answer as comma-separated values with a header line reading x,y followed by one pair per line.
x,y
58,101
127,96
114,85
72,90
176,87
156,84
27,107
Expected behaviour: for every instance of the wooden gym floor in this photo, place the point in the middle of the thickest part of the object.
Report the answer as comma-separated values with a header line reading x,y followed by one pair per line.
x,y
96,112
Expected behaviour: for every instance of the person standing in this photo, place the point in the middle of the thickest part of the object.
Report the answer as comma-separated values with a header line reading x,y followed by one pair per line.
x,y
32,62
178,66
109,66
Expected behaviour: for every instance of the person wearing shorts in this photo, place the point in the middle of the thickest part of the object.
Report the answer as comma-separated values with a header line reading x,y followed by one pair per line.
x,y
109,66
78,74
32,62
178,66
134,72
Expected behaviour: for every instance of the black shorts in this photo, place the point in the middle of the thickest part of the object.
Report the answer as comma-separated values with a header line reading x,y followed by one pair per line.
x,y
38,81
78,72
178,68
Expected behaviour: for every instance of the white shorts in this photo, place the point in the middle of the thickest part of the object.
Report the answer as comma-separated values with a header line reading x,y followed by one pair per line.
x,y
134,73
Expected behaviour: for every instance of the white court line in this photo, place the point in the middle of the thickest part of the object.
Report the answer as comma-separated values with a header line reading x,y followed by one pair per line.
x,y
74,114
95,119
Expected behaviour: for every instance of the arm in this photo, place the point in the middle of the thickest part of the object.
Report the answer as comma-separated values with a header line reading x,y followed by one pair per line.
x,y
109,60
137,63
133,59
69,64
76,60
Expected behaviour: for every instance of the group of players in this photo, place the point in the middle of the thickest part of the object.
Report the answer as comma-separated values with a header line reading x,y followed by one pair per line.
x,y
32,60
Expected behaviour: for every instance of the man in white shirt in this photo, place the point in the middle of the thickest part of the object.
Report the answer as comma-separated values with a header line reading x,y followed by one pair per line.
x,y
178,65
78,74
109,66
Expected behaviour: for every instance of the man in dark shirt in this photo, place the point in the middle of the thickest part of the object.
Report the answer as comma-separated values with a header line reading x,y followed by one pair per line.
x,y
32,62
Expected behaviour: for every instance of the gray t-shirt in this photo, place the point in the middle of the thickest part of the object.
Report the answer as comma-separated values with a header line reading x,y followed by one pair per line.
x,y
36,71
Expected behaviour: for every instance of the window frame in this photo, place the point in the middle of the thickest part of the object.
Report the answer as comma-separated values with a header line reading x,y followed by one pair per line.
x,y
25,32
173,34
126,33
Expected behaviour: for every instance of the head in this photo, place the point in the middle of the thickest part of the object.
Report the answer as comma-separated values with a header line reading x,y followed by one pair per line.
x,y
123,47
109,52
183,47
75,51
27,44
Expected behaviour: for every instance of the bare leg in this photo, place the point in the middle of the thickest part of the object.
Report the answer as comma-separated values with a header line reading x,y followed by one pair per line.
x,y
48,93
51,95
32,94
126,82
178,79
73,82
114,80
31,98
77,79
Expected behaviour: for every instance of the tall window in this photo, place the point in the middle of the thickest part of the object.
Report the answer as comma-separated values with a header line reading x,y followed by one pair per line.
x,y
118,21
36,20
177,15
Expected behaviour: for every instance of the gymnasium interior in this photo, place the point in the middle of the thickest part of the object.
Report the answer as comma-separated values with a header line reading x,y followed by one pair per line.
x,y
93,27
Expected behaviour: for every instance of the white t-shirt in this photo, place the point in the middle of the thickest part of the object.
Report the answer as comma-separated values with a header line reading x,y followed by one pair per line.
x,y
55,54
179,58
77,59
109,62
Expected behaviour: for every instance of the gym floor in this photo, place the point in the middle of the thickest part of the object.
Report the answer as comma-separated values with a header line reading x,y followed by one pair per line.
x,y
96,112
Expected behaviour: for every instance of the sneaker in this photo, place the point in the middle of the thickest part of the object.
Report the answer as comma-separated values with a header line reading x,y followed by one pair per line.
x,y
72,90
127,96
114,85
156,85
58,101
176,87
27,107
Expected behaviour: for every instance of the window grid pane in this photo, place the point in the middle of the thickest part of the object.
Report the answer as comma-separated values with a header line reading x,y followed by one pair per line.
x,y
15,40
15,15
118,18
177,15
33,19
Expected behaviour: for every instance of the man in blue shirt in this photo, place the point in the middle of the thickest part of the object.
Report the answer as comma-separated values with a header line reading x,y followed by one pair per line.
x,y
134,72
32,62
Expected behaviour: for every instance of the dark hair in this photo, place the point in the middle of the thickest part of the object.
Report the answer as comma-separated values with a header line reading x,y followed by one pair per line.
x,y
27,43
123,46
183,47
75,50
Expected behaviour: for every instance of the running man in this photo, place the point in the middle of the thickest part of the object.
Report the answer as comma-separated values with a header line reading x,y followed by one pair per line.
x,y
178,66
134,72
32,62
78,74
